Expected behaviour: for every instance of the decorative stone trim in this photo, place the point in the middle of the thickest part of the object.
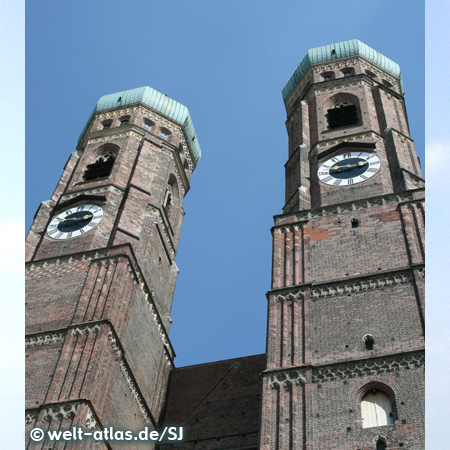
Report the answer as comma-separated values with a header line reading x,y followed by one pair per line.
x,y
85,329
91,421
287,378
179,177
44,338
63,411
339,64
66,410
301,216
115,136
353,138
187,152
368,367
290,296
68,259
94,191
31,415
116,112
360,285
136,395
340,86
112,337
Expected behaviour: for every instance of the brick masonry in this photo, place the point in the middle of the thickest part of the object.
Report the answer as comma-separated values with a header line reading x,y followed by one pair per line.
x,y
98,305
348,262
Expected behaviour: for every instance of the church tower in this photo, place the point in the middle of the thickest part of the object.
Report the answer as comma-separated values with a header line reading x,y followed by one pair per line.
x,y
345,343
101,269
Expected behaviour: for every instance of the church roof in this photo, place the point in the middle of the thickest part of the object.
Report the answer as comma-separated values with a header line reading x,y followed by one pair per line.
x,y
159,102
337,51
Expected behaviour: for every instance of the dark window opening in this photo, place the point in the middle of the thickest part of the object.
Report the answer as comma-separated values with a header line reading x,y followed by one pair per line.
x,y
342,114
124,122
147,126
106,125
381,445
349,73
369,341
168,204
101,168
355,223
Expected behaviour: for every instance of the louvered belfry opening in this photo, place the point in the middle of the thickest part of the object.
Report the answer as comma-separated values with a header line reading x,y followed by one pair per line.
x,y
101,168
341,114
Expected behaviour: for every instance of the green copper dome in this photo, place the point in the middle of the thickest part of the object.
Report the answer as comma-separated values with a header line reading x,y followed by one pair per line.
x,y
337,51
159,102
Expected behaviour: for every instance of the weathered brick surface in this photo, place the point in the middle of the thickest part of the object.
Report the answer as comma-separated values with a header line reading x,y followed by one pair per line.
x,y
218,404
348,262
98,306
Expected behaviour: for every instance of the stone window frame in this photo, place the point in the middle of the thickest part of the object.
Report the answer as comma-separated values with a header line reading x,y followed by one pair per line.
x,y
386,390
105,152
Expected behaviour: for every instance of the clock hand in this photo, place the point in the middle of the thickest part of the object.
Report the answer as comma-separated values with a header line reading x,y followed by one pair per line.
x,y
349,166
85,217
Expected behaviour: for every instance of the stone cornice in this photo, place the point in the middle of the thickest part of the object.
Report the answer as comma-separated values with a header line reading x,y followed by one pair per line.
x,y
65,410
286,378
336,65
357,137
344,370
370,366
158,118
107,256
324,211
347,285
92,191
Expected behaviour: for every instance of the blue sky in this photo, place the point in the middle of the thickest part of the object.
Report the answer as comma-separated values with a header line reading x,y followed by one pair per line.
x,y
227,62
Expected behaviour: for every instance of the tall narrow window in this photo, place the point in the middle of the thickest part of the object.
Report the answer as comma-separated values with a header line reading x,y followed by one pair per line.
x,y
341,114
376,409
101,168
381,445
168,202
369,341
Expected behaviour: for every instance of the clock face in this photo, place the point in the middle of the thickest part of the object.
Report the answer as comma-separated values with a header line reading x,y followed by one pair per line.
x,y
75,221
349,168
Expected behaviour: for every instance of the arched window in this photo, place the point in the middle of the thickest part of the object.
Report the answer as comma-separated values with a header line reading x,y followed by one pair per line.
x,y
327,76
164,133
168,201
147,125
124,121
376,409
342,113
381,444
369,341
348,72
102,166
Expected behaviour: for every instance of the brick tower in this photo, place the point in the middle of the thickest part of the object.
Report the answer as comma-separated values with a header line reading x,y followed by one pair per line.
x,y
345,344
101,269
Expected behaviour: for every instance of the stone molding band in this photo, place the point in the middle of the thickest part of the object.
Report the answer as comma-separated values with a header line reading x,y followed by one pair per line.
x,y
286,377
64,410
331,210
341,287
